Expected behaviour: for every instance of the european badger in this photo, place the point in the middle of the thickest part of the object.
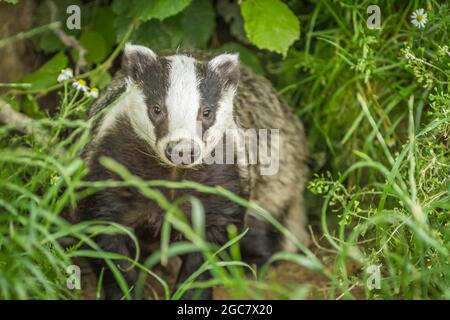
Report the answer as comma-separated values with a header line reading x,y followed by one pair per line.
x,y
159,106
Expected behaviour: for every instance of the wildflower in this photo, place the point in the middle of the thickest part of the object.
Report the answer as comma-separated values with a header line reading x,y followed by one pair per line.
x,y
93,93
80,85
54,178
419,18
65,74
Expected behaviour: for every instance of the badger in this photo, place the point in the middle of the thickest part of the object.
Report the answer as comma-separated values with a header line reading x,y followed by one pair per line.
x,y
162,117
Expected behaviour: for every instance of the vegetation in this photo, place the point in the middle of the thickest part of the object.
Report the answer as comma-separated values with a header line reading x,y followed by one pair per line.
x,y
375,102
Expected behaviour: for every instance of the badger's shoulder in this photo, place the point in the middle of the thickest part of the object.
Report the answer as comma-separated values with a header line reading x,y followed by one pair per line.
x,y
111,93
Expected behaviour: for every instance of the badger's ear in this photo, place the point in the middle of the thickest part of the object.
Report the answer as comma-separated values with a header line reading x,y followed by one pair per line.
x,y
227,67
136,58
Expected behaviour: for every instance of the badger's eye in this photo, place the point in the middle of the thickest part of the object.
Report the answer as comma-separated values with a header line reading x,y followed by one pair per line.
x,y
156,109
206,113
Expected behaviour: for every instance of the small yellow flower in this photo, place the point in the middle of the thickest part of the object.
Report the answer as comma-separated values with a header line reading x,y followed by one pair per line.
x,y
80,85
94,93
54,178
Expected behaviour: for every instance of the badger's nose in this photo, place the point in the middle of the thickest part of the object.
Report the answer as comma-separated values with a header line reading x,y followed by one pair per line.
x,y
183,152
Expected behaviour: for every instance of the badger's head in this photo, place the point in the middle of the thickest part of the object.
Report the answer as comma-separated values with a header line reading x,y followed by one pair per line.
x,y
180,106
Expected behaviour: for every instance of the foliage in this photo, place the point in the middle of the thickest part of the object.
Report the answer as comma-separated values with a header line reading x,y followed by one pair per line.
x,y
268,30
375,102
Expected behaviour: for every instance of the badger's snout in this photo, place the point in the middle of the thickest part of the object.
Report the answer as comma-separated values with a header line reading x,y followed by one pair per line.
x,y
183,152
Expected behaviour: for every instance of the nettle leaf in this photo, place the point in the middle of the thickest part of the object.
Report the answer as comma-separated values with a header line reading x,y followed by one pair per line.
x,y
198,22
159,9
270,24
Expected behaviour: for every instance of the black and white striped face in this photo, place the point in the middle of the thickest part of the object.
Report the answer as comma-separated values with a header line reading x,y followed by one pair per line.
x,y
179,105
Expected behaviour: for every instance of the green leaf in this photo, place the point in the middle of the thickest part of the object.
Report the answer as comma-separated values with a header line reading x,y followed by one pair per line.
x,y
102,21
95,46
100,80
46,75
49,42
159,9
121,25
191,28
159,35
31,107
198,23
10,1
121,7
270,24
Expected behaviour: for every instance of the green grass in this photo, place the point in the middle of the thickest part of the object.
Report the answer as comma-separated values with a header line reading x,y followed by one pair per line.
x,y
377,108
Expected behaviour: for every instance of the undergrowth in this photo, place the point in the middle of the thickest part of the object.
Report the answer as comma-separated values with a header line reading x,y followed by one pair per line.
x,y
376,105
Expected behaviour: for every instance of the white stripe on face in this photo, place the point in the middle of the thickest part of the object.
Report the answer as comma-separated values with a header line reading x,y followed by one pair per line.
x,y
183,98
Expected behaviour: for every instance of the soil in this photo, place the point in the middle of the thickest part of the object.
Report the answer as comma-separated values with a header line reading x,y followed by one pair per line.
x,y
285,274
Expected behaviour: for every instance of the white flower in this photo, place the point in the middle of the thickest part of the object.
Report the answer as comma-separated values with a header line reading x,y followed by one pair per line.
x,y
93,93
65,74
419,18
80,85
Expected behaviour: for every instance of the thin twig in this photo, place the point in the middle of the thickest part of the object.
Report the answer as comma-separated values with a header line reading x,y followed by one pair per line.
x,y
12,117
28,34
24,124
349,289
314,240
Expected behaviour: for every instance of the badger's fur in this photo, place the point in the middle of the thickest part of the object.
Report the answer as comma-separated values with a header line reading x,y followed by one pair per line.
x,y
158,103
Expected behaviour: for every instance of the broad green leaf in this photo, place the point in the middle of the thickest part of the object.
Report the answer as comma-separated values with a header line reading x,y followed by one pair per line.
x,y
159,9
95,46
270,24
198,22
31,107
121,25
100,80
49,42
46,75
191,28
159,35
102,21
120,7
